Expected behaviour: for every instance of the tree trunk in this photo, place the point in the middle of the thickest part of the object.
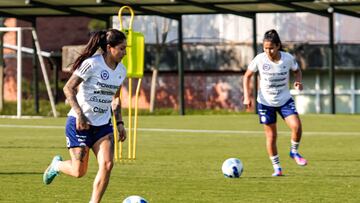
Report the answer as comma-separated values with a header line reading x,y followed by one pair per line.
x,y
153,89
1,67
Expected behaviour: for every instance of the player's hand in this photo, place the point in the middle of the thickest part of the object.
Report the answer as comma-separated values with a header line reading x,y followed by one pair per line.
x,y
122,132
247,103
298,86
82,123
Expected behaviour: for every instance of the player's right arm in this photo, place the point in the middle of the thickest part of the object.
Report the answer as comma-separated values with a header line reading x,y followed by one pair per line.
x,y
70,93
247,88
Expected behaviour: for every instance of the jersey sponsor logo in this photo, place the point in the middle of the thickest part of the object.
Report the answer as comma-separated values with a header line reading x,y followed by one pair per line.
x,y
99,100
94,99
67,142
275,79
276,74
104,74
266,67
273,93
81,140
102,92
107,85
276,85
99,110
262,111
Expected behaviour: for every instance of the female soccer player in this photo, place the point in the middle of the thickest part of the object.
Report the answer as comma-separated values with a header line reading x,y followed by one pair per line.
x,y
93,92
274,96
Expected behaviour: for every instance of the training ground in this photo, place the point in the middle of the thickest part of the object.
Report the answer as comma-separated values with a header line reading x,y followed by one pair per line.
x,y
179,159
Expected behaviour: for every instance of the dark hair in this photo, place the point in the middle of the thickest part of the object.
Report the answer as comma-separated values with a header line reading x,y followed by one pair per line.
x,y
98,39
273,36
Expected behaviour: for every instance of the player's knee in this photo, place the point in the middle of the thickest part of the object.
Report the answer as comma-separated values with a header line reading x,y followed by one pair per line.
x,y
107,165
78,173
296,129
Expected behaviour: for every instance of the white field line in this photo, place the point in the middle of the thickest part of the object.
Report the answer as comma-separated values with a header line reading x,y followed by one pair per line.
x,y
246,132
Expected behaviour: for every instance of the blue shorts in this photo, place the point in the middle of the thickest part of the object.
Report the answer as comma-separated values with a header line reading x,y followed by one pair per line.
x,y
267,114
82,138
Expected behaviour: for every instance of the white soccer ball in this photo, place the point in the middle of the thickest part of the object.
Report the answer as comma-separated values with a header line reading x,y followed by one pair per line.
x,y
232,168
134,199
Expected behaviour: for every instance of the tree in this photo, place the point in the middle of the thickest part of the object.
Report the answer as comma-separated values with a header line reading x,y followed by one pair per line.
x,y
159,47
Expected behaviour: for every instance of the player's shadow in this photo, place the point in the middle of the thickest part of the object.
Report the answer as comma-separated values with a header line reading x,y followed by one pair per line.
x,y
261,177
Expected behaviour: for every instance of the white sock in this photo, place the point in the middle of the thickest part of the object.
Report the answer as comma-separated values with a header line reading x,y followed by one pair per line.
x,y
275,160
294,146
56,166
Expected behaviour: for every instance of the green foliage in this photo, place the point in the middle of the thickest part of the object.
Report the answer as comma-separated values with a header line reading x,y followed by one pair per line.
x,y
95,25
10,108
185,166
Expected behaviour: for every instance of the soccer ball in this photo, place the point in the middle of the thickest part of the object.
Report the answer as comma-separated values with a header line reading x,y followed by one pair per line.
x,y
134,199
232,168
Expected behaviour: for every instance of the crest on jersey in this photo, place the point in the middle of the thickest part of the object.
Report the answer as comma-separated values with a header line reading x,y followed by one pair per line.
x,y
266,67
104,74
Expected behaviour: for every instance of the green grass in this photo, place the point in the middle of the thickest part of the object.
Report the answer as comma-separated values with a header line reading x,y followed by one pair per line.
x,y
186,166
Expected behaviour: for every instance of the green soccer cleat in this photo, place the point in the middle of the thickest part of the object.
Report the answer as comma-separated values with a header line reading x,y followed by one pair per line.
x,y
50,173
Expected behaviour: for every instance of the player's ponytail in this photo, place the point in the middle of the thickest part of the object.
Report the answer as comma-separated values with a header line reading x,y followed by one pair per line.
x,y
100,39
97,39
273,36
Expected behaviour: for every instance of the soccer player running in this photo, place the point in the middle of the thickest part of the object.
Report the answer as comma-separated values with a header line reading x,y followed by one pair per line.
x,y
93,92
274,96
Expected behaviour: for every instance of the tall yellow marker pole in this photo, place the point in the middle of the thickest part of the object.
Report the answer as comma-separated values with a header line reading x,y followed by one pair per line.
x,y
117,149
116,139
130,119
134,63
136,117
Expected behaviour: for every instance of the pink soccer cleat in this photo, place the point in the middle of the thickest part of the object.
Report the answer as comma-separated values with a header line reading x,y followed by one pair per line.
x,y
277,172
298,159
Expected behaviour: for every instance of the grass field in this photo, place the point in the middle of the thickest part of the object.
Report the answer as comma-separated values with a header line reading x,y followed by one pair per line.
x,y
175,165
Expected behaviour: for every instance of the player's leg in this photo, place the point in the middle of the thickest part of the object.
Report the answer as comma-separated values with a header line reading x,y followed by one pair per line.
x,y
294,123
78,143
78,164
104,151
79,152
271,147
267,116
75,167
291,117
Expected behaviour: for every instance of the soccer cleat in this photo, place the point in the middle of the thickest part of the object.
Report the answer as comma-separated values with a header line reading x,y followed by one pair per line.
x,y
50,173
298,159
277,172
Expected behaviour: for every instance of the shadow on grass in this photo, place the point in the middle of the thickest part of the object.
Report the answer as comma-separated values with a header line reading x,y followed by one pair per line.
x,y
258,177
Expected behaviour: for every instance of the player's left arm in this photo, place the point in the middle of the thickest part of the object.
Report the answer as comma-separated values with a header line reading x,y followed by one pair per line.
x,y
298,79
116,108
297,73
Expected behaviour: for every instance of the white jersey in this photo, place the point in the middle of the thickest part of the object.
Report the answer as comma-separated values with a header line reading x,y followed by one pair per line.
x,y
274,78
96,92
